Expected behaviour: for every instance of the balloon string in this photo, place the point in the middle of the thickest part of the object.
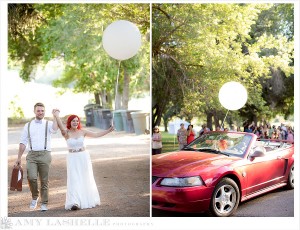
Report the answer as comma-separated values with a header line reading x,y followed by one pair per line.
x,y
224,119
116,90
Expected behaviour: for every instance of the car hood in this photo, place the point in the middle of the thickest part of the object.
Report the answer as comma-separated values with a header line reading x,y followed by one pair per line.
x,y
188,163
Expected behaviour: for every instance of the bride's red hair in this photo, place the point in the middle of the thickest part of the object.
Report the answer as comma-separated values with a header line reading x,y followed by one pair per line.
x,y
70,119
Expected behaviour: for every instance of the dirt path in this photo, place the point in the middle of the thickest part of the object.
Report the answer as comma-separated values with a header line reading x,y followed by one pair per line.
x,y
121,169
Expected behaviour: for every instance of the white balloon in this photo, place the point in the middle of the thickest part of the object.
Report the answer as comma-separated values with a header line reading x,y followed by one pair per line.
x,y
121,40
233,95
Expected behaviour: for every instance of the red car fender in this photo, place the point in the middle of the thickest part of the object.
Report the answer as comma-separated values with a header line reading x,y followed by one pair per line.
x,y
225,171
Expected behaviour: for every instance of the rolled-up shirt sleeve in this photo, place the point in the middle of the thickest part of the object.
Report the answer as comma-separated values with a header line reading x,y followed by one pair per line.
x,y
24,135
51,130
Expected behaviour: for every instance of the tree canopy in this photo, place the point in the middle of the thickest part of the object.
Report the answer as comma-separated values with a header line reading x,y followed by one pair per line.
x,y
72,33
199,47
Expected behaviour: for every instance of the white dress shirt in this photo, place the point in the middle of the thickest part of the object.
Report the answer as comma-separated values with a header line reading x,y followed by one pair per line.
x,y
37,134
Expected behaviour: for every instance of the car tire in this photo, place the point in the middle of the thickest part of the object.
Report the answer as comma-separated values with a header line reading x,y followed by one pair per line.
x,y
290,182
225,198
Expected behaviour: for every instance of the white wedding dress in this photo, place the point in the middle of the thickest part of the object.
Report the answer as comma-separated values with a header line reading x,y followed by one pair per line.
x,y
81,186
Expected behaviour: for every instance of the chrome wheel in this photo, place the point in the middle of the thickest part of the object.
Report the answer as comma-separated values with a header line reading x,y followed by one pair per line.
x,y
290,184
225,198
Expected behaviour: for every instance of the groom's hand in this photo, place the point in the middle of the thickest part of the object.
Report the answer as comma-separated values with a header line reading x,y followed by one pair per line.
x,y
55,112
18,162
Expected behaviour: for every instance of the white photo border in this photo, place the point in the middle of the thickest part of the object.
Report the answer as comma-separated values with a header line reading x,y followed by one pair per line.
x,y
139,223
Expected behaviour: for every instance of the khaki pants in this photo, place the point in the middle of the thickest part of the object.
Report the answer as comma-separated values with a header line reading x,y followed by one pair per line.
x,y
38,164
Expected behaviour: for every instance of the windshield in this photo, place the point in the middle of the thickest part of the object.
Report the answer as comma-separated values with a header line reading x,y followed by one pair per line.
x,y
221,142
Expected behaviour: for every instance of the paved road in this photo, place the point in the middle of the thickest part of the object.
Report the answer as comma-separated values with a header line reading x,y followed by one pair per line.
x,y
279,203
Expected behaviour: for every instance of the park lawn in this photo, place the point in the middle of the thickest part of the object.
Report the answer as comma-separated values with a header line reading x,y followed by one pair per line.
x,y
168,142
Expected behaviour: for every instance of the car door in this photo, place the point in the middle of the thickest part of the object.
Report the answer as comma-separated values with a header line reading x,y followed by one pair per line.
x,y
265,171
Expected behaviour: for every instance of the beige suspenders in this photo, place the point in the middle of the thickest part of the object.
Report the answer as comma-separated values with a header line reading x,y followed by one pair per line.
x,y
46,135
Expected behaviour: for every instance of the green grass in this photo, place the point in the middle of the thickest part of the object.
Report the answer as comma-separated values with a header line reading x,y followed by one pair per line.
x,y
168,142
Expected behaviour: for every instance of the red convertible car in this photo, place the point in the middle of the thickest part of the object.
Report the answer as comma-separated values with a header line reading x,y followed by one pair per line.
x,y
219,170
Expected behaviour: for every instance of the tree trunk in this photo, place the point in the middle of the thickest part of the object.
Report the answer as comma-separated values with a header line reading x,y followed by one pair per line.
x,y
255,119
109,99
125,96
190,118
216,119
166,123
209,116
157,114
104,99
97,98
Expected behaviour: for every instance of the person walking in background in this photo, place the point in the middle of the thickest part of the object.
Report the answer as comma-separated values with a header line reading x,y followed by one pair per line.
x,y
290,136
257,131
281,134
182,136
156,141
82,190
271,130
285,131
265,131
275,134
204,129
190,134
37,134
248,128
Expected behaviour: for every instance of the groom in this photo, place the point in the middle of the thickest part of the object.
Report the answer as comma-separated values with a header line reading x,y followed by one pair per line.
x,y
37,133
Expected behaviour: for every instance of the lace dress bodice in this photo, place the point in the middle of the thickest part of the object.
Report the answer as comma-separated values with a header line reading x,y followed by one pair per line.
x,y
75,143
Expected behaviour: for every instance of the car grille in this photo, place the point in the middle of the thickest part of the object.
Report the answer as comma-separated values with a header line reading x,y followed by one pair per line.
x,y
154,178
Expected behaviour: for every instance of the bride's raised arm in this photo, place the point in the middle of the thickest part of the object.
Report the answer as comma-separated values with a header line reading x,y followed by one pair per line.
x,y
89,133
60,124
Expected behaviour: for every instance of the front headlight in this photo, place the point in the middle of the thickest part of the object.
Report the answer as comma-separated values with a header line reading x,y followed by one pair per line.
x,y
182,182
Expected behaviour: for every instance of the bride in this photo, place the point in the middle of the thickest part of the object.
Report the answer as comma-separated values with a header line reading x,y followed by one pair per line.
x,y
82,190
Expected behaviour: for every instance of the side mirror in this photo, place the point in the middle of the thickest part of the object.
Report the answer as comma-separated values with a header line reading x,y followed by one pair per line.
x,y
259,152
